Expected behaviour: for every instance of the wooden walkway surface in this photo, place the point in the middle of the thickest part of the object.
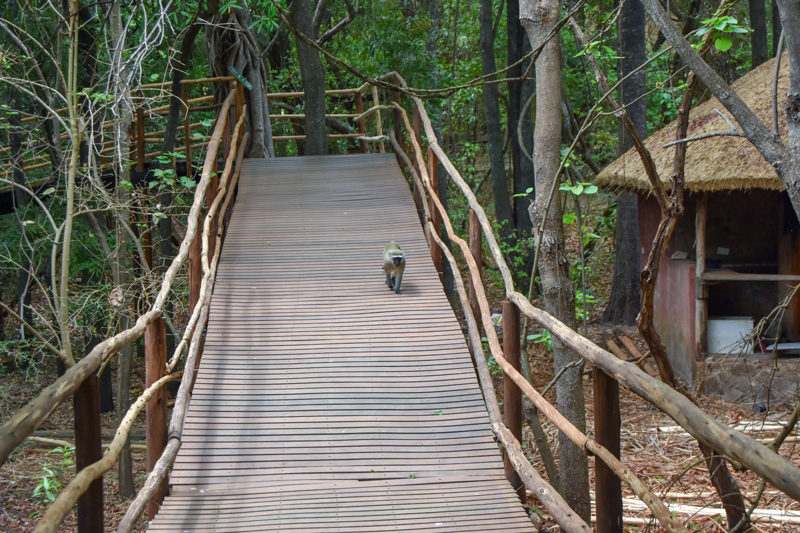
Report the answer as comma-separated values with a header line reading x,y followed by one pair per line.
x,y
324,401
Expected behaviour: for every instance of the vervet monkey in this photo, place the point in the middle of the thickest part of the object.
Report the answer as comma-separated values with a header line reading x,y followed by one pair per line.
x,y
394,262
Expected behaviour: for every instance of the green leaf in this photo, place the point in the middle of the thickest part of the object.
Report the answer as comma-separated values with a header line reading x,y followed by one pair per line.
x,y
723,43
49,190
591,189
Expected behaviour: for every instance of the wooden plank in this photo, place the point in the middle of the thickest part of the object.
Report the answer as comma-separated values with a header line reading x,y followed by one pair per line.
x,y
324,401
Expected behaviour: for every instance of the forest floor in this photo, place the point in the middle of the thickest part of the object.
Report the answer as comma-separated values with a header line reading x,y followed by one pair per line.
x,y
661,454
669,462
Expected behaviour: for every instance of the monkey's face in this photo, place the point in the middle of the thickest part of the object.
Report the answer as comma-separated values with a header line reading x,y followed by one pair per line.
x,y
397,260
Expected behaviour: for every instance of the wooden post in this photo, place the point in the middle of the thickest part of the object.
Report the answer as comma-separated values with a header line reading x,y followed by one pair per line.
x,y
239,100
398,127
417,194
512,395
701,289
187,130
140,148
88,450
476,248
195,265
362,129
211,194
436,217
379,122
155,350
608,487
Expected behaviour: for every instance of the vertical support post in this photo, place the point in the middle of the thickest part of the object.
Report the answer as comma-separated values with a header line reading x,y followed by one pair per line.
x,y
608,487
88,450
239,100
416,193
140,147
187,129
226,132
512,395
398,122
195,265
155,350
147,236
436,217
362,129
379,122
211,194
701,289
476,248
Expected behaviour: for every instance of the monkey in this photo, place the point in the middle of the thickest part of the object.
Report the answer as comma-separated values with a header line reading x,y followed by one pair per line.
x,y
394,262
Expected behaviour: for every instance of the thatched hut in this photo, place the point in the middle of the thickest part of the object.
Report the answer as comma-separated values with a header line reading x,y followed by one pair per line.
x,y
737,215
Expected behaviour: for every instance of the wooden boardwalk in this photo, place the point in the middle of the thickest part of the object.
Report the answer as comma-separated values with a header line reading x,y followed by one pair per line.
x,y
324,401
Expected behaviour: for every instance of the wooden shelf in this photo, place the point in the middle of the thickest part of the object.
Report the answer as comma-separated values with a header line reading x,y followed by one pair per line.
x,y
730,275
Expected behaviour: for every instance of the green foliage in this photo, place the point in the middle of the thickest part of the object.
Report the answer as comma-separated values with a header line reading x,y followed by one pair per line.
x,y
50,475
723,28
544,337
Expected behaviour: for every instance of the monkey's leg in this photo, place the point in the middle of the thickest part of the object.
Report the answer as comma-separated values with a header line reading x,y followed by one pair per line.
x,y
389,280
397,282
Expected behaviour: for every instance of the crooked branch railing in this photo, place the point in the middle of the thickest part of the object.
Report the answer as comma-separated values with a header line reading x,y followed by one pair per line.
x,y
151,102
204,232
745,450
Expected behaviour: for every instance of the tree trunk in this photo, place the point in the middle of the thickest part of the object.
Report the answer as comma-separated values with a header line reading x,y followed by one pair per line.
x,y
433,48
230,42
758,38
313,74
502,202
776,27
21,201
625,300
518,93
538,19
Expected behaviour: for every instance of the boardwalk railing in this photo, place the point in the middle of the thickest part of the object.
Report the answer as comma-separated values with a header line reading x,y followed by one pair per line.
x,y
423,167
203,242
152,106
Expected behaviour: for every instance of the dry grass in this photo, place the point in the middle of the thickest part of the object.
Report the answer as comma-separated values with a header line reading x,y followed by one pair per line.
x,y
715,163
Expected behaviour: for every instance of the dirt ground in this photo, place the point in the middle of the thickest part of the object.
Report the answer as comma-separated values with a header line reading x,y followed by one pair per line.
x,y
661,454
669,462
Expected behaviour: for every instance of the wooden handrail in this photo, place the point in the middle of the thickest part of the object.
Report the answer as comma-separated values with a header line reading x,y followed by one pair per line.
x,y
742,448
574,434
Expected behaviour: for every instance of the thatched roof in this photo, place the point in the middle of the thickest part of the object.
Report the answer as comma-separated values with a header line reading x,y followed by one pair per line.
x,y
715,163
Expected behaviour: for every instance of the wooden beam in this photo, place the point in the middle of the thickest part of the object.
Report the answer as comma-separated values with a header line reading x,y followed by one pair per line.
x,y
88,450
476,249
512,395
155,349
700,288
362,129
608,487
436,217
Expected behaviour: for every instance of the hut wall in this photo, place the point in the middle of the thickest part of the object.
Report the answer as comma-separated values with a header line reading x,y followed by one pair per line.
x,y
673,311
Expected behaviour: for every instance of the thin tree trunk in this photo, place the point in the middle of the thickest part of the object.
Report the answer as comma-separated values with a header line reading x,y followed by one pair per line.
x,y
21,201
758,38
313,74
502,202
125,356
538,18
776,27
518,93
625,300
